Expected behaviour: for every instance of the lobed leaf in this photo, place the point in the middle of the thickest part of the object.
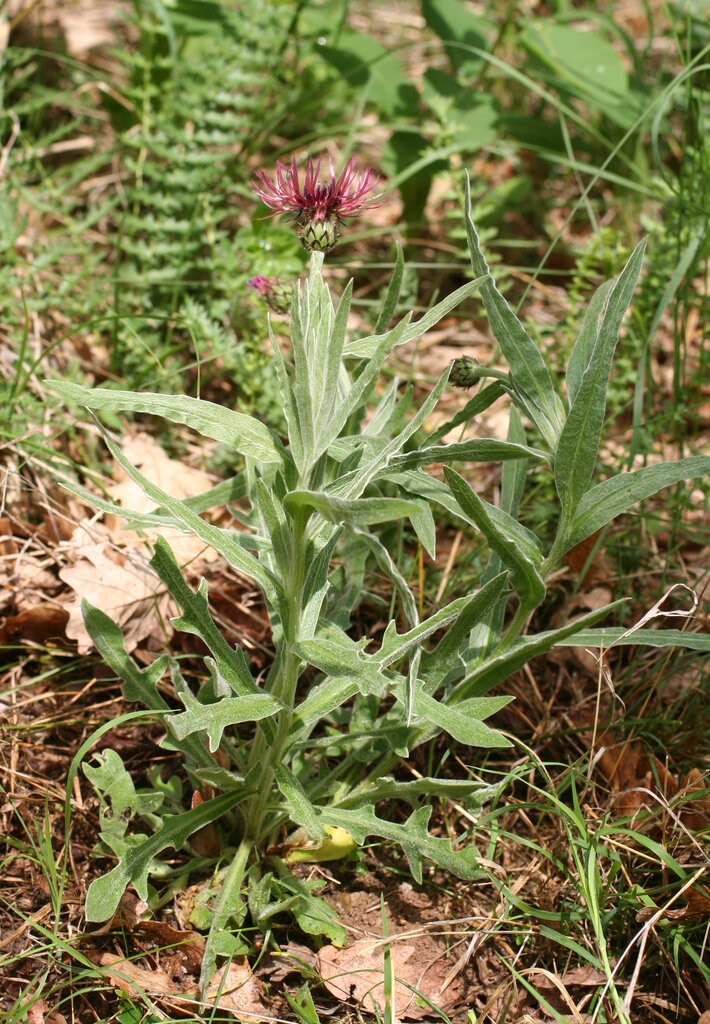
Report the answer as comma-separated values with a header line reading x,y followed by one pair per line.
x,y
104,893
213,719
412,836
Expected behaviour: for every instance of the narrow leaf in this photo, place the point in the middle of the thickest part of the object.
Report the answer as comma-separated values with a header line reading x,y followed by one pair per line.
x,y
576,454
242,433
300,808
393,289
366,347
481,449
446,656
497,667
196,619
501,535
462,721
613,497
587,339
141,685
528,369
617,636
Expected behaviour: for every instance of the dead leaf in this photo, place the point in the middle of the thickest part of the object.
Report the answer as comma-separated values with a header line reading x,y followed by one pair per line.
x,y
232,988
697,907
357,973
582,976
36,625
36,1012
205,842
235,988
635,777
123,587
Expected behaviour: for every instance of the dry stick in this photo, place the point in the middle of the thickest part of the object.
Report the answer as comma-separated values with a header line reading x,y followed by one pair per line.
x,y
449,566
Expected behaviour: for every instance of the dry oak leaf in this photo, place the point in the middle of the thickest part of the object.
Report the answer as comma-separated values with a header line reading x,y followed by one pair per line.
x,y
121,585
357,972
232,988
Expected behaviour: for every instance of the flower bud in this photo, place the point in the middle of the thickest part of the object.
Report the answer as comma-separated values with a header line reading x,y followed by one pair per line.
x,y
463,373
276,294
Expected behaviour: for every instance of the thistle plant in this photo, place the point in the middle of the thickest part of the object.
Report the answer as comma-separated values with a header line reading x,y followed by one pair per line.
x,y
311,750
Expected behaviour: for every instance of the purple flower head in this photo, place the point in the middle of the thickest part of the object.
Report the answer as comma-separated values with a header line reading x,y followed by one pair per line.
x,y
276,294
319,207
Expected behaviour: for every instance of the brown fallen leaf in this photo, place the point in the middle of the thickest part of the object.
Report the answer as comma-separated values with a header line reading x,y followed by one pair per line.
x,y
36,625
357,973
232,988
582,976
109,564
636,776
123,587
697,907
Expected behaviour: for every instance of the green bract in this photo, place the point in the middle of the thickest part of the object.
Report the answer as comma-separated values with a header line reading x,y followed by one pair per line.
x,y
333,716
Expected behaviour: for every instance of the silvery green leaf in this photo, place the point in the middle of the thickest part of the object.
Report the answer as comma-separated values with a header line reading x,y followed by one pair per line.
x,y
479,449
326,372
383,410
213,719
359,390
587,338
389,568
365,348
393,289
578,446
446,656
289,406
528,369
334,653
243,433
388,788
197,619
396,646
316,584
497,667
462,721
353,484
613,636
361,511
276,527
474,407
300,808
487,631
140,685
503,534
313,915
616,495
322,699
